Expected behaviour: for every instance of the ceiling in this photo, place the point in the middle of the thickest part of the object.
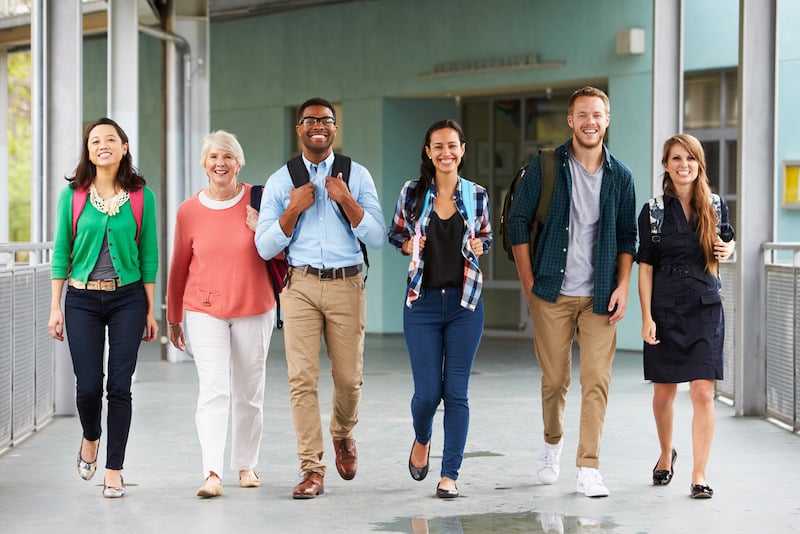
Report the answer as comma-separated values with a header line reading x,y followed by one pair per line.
x,y
232,9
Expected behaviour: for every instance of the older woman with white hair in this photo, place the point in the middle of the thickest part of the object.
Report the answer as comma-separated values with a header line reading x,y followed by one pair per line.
x,y
221,284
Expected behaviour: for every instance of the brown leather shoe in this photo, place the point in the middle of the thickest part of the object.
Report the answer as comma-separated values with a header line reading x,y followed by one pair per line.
x,y
310,487
346,457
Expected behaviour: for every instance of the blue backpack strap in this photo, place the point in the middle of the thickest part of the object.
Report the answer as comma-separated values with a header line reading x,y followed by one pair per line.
x,y
656,205
468,198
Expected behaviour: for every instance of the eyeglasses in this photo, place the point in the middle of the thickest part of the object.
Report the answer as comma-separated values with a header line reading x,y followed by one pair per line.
x,y
312,121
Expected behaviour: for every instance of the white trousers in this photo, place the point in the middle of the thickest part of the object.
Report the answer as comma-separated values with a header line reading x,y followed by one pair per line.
x,y
231,360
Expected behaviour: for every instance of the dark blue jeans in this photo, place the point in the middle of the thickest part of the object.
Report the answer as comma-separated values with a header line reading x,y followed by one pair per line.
x,y
442,340
87,313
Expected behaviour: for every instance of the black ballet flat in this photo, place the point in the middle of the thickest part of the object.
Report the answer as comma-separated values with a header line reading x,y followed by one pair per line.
x,y
662,477
701,491
446,494
419,473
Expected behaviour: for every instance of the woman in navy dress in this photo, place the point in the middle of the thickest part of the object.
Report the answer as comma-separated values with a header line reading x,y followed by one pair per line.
x,y
679,290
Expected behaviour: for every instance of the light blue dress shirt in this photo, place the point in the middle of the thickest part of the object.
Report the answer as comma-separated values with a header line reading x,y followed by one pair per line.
x,y
322,238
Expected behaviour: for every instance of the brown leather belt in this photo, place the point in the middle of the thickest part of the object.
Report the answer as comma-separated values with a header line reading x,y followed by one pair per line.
x,y
330,274
96,285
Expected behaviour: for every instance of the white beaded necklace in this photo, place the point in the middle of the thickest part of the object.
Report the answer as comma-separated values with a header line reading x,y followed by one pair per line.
x,y
108,206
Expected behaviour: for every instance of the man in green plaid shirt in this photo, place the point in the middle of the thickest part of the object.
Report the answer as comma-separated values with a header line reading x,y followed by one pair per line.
x,y
579,278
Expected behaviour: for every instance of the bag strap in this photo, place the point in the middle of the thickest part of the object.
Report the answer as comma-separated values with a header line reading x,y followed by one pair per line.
x,y
137,206
256,192
656,207
717,203
79,197
468,198
547,160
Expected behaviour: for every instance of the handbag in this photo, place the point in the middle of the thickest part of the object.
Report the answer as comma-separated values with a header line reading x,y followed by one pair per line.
x,y
277,267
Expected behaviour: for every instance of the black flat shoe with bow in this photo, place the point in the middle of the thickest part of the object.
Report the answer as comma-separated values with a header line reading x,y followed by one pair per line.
x,y
701,491
662,477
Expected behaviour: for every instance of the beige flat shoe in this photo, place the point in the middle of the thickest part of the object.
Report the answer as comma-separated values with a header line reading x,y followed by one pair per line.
x,y
211,488
251,480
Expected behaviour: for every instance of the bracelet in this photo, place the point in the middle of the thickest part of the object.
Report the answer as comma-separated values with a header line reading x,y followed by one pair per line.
x,y
173,324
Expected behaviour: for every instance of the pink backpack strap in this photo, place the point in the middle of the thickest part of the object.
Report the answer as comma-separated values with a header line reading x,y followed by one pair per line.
x,y
137,205
79,197
79,201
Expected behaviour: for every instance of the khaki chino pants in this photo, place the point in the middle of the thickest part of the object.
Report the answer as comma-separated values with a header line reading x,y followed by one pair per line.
x,y
554,327
336,309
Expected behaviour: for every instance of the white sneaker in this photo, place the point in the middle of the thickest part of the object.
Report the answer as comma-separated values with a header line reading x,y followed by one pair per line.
x,y
551,523
549,462
590,482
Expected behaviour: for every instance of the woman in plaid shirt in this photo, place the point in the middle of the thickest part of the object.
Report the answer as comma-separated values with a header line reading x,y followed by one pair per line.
x,y
442,222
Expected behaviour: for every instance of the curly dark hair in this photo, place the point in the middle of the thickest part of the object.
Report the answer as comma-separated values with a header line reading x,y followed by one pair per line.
x,y
128,176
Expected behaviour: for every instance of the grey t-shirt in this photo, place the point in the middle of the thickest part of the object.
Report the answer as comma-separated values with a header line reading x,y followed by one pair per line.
x,y
584,220
103,269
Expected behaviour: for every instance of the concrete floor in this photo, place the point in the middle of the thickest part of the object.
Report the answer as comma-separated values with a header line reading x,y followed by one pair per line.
x,y
754,469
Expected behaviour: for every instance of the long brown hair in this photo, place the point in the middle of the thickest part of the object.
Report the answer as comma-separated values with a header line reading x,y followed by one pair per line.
x,y
701,193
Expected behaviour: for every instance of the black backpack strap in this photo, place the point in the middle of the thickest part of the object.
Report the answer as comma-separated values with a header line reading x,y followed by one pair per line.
x,y
548,169
255,196
297,171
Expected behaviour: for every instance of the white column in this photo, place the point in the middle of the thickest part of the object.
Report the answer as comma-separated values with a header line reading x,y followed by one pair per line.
x,y
123,69
755,186
3,150
58,53
667,79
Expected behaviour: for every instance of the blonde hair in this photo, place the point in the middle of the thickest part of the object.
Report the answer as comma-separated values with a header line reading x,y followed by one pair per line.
x,y
222,140
701,192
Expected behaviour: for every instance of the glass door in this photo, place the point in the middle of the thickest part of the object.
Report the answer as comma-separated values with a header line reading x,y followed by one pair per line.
x,y
503,134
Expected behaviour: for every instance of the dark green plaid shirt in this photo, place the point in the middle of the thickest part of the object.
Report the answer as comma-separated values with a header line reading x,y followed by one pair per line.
x,y
616,233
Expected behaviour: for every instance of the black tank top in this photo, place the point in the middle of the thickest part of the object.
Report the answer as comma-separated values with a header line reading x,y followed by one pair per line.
x,y
444,264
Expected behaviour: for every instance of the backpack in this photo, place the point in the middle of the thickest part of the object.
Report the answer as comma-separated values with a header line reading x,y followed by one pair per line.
x,y
656,206
277,267
79,201
547,158
341,164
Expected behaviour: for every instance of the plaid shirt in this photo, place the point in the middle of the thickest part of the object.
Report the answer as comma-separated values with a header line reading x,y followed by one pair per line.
x,y
403,229
616,233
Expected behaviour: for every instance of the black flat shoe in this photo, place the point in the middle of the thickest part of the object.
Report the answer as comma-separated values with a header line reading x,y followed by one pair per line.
x,y
419,473
662,477
701,491
446,494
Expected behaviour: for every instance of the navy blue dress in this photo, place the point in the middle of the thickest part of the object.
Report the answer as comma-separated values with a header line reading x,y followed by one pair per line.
x,y
686,301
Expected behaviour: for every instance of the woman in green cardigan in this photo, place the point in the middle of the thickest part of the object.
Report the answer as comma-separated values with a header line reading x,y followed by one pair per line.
x,y
106,251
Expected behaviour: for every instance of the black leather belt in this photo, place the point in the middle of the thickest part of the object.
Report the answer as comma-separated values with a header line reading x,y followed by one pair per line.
x,y
330,274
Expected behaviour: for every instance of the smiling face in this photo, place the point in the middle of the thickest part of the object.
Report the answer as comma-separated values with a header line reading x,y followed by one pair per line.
x,y
445,150
221,167
681,166
589,120
317,138
105,146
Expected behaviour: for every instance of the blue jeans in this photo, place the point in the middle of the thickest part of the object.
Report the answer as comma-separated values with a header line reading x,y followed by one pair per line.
x,y
87,313
442,339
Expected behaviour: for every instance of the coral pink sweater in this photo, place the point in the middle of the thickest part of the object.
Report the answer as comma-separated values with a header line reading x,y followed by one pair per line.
x,y
215,267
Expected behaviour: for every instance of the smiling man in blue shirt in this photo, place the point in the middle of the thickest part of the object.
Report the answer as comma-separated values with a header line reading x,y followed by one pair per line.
x,y
579,279
322,225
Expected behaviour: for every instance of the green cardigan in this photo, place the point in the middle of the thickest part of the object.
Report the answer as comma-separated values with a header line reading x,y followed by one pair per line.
x,y
132,261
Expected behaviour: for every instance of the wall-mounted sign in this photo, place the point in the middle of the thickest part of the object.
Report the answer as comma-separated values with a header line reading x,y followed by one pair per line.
x,y
791,185
489,64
